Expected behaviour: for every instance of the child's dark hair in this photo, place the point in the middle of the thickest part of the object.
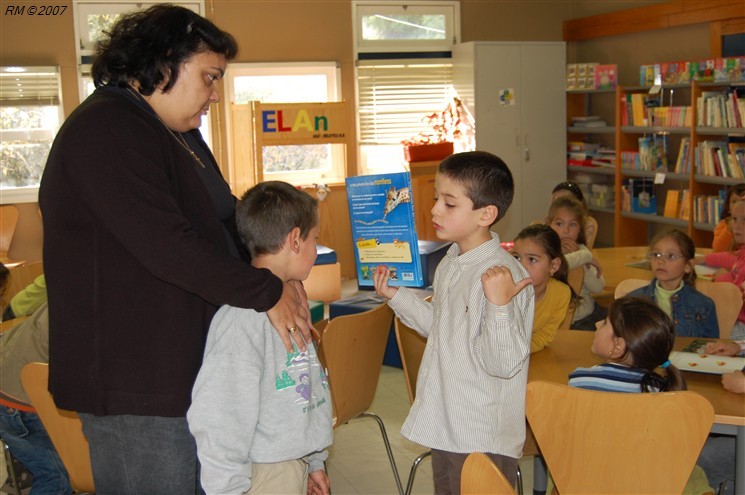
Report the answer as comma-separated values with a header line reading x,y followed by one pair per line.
x,y
573,205
737,189
269,211
550,241
485,177
687,249
649,335
573,188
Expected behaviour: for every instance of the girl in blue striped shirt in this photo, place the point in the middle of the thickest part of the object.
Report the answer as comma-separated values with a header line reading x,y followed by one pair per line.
x,y
635,339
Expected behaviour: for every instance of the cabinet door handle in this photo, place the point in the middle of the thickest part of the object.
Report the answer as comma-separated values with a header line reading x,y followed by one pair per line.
x,y
526,154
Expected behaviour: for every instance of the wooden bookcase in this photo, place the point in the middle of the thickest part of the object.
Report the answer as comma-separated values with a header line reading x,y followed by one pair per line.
x,y
635,229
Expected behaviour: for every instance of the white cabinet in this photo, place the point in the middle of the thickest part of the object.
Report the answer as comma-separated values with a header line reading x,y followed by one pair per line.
x,y
516,94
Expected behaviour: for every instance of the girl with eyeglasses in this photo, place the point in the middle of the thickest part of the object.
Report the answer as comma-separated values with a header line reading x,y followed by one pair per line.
x,y
673,287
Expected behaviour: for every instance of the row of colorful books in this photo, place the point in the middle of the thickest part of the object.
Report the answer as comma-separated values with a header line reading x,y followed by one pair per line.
x,y
586,154
638,195
641,109
720,159
708,208
720,109
591,76
651,155
725,69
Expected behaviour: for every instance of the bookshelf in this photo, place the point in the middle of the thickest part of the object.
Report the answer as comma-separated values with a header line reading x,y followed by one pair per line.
x,y
675,125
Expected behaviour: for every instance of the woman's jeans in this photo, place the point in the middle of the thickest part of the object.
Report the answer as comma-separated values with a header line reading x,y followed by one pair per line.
x,y
30,444
142,455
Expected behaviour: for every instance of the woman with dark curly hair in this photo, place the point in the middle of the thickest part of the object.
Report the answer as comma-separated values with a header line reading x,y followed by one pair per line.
x,y
139,230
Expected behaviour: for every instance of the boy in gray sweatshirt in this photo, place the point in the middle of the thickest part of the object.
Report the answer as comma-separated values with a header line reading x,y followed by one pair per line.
x,y
261,416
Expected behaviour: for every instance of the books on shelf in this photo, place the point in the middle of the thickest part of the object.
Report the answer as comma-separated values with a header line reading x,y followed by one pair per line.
x,y
720,159
653,152
683,163
606,76
708,208
720,109
638,196
723,69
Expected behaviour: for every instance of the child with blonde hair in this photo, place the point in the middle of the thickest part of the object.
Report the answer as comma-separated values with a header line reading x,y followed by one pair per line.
x,y
567,217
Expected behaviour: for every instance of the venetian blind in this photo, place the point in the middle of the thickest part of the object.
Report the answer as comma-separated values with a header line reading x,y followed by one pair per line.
x,y
394,96
33,86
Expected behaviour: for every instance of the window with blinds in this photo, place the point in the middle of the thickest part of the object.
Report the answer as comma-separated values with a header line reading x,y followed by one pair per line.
x,y
394,96
31,113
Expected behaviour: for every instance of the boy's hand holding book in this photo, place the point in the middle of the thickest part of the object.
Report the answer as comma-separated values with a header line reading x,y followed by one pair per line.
x,y
380,279
722,348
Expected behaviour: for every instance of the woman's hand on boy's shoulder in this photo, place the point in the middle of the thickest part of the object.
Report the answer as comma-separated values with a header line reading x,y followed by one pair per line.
x,y
500,287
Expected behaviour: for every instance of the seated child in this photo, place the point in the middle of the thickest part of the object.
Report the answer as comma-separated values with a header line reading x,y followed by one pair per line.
x,y
573,190
262,416
718,455
635,340
538,249
733,264
673,287
567,217
723,239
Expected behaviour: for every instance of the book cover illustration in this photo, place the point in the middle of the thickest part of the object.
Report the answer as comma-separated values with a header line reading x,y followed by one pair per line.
x,y
383,229
706,363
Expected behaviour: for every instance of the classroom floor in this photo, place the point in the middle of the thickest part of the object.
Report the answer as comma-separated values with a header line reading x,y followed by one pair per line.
x,y
358,463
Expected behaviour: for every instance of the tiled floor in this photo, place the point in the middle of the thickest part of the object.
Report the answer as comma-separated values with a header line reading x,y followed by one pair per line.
x,y
358,463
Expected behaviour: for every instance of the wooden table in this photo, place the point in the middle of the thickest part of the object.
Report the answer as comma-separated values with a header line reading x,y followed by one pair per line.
x,y
571,349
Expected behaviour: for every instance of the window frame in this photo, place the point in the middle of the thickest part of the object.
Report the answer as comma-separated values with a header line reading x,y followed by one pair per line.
x,y
332,72
30,194
450,9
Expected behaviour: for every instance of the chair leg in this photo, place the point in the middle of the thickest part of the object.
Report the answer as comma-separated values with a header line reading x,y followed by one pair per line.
x,y
412,473
388,449
519,481
11,469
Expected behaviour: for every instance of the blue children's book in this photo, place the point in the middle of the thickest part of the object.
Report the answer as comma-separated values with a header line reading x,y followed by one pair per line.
x,y
383,228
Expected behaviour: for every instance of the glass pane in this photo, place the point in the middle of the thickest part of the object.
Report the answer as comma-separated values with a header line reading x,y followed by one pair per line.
x,y
292,158
403,27
98,23
281,89
26,139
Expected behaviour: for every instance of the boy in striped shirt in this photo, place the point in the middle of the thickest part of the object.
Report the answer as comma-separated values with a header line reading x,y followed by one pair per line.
x,y
470,393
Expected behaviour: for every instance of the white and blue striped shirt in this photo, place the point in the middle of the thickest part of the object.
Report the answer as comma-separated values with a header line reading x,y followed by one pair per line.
x,y
608,377
470,393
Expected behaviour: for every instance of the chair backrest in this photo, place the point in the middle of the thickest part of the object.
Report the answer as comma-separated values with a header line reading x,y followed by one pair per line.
x,y
607,442
480,476
21,276
728,301
575,277
591,232
64,427
628,285
353,347
411,347
8,221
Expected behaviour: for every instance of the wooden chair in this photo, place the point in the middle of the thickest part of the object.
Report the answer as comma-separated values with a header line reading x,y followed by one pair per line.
x,y
21,276
411,347
591,232
629,285
727,299
606,442
64,427
352,349
575,277
480,476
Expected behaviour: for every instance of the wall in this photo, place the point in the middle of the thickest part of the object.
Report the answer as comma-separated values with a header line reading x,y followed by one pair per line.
x,y
310,30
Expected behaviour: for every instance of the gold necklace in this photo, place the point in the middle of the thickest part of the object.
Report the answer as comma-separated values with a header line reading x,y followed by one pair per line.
x,y
181,141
